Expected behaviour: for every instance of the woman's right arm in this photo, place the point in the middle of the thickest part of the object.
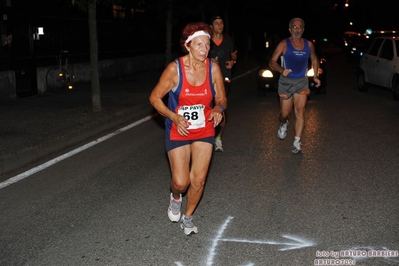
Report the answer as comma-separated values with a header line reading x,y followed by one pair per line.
x,y
165,83
168,80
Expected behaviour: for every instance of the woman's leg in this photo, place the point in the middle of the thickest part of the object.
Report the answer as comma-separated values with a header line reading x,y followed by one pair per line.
x,y
201,154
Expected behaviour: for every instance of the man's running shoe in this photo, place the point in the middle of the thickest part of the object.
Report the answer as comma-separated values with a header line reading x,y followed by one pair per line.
x,y
282,131
188,226
174,209
218,145
296,147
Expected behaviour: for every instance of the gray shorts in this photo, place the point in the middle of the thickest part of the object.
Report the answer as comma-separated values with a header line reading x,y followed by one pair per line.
x,y
288,86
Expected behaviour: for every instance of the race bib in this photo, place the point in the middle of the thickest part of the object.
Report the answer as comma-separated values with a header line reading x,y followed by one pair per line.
x,y
194,114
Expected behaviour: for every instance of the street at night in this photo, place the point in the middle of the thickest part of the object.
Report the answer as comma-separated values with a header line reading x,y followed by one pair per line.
x,y
262,205
84,175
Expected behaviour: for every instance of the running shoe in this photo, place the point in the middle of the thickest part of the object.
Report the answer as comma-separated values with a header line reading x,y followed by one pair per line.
x,y
296,147
188,226
174,209
282,131
218,145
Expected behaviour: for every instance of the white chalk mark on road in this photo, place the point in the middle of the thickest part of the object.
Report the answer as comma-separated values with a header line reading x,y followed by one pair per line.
x,y
215,241
296,244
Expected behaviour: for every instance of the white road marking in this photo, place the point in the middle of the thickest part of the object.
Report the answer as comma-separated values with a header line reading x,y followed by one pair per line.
x,y
69,154
215,241
297,243
82,148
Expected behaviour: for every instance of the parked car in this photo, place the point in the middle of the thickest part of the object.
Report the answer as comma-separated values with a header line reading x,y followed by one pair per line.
x,y
267,79
379,65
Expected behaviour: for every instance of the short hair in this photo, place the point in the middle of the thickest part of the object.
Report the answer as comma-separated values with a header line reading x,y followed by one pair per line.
x,y
292,20
190,29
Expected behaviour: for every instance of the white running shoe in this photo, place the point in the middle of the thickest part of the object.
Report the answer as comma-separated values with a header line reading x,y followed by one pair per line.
x,y
188,226
296,147
174,209
218,145
282,131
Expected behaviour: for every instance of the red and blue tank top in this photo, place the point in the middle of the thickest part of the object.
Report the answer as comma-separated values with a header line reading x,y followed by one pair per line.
x,y
195,103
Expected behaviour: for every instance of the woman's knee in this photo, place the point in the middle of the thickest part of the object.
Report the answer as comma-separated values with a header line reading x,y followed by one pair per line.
x,y
180,184
198,180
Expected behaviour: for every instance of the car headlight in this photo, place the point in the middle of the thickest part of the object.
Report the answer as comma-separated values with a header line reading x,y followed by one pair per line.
x,y
265,73
310,72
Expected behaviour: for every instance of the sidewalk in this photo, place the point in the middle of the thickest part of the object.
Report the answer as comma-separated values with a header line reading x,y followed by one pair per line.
x,y
35,127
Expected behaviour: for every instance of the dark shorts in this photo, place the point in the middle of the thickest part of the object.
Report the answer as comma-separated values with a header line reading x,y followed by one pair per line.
x,y
288,86
171,144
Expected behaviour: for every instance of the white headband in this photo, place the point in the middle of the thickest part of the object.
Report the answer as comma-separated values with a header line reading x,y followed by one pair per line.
x,y
196,34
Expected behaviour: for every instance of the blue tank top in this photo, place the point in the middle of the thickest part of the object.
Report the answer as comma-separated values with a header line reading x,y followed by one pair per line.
x,y
296,60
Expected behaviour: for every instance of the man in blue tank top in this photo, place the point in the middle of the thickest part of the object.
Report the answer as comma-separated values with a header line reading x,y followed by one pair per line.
x,y
293,87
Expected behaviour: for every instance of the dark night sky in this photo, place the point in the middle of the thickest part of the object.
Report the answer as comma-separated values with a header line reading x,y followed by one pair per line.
x,y
320,16
247,21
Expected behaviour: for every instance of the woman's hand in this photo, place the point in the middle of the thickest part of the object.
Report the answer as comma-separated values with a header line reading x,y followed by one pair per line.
x,y
181,124
216,115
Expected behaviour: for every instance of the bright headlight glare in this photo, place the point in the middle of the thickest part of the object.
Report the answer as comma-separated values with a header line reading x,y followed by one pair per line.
x,y
265,73
310,72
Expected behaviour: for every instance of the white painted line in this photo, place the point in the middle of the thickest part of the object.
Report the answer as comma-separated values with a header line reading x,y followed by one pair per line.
x,y
69,154
82,148
244,74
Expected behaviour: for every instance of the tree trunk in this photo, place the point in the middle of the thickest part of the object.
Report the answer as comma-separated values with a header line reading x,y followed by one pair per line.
x,y
95,79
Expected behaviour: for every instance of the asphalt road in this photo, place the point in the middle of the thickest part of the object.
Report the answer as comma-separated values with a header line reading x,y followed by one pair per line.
x,y
337,203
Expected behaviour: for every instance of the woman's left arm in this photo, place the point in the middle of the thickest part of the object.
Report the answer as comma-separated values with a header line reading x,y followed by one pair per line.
x,y
220,96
